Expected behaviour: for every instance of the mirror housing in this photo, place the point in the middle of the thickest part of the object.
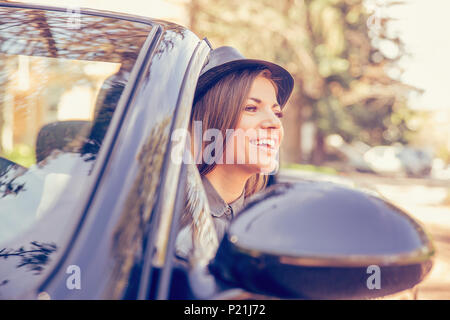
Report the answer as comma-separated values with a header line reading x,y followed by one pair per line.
x,y
320,240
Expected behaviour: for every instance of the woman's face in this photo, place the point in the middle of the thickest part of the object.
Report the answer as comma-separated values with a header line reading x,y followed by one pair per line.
x,y
259,131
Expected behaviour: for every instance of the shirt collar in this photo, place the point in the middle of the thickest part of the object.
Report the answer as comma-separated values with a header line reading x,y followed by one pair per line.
x,y
217,205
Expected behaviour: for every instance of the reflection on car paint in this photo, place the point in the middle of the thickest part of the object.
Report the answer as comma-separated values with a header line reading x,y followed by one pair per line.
x,y
197,239
26,197
129,233
34,256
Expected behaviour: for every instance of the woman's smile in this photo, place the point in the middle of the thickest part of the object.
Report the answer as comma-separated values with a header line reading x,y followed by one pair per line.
x,y
269,146
266,143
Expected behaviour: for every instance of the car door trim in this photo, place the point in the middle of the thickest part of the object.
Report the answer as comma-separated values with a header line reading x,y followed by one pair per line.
x,y
166,223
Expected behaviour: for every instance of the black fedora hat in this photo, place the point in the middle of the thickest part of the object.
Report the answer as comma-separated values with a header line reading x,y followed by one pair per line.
x,y
225,60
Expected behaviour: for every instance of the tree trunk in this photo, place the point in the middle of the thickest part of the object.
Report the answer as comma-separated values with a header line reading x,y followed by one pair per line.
x,y
292,123
318,154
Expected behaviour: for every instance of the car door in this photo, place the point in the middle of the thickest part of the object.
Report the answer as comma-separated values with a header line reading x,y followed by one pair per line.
x,y
89,242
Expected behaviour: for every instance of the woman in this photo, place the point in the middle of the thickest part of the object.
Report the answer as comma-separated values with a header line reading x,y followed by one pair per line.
x,y
242,99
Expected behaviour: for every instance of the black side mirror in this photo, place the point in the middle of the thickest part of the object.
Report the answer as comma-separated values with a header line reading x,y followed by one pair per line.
x,y
319,240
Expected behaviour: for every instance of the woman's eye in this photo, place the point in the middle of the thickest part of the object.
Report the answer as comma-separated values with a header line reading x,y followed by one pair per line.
x,y
279,114
250,108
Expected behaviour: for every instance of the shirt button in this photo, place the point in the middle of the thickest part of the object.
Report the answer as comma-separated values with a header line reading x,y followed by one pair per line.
x,y
229,212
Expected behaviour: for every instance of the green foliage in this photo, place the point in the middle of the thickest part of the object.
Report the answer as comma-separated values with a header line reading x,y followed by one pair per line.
x,y
22,154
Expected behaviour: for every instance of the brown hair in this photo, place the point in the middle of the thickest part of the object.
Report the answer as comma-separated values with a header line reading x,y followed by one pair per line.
x,y
221,107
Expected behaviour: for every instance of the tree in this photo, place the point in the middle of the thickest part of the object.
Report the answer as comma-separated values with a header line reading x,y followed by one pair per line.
x,y
340,69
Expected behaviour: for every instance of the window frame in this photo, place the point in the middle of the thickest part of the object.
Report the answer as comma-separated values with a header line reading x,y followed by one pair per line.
x,y
173,175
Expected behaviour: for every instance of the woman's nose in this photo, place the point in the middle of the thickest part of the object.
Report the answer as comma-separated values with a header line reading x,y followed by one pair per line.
x,y
271,120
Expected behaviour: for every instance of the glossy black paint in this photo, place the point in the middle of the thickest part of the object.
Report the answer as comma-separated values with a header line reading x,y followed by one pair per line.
x,y
329,220
267,275
317,239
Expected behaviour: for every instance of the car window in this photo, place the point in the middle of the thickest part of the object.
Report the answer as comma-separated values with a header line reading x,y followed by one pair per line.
x,y
59,87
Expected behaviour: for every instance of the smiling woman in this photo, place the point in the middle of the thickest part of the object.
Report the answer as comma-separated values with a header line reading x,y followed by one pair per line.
x,y
238,104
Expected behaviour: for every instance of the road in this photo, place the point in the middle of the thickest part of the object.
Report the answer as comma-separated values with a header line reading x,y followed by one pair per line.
x,y
428,201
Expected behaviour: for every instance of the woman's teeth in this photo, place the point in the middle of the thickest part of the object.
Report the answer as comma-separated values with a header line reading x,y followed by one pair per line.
x,y
264,142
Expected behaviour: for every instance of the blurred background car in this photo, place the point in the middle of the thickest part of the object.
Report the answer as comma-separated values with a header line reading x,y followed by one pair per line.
x,y
399,160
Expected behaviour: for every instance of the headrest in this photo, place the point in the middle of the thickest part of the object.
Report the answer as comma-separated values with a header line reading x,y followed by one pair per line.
x,y
59,135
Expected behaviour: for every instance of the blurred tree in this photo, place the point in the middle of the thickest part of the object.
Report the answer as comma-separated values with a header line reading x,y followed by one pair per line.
x,y
340,54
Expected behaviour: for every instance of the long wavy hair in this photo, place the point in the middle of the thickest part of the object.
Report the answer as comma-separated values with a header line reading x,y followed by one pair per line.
x,y
221,108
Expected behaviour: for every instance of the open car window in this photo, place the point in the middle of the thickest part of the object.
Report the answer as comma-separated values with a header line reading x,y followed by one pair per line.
x,y
59,87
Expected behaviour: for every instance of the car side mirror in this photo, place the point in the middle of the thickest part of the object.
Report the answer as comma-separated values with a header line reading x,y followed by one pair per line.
x,y
319,240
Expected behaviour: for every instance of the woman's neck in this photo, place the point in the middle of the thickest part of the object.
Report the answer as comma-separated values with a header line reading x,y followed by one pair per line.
x,y
229,185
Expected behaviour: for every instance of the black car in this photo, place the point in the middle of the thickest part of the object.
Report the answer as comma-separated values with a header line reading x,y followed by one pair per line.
x,y
95,202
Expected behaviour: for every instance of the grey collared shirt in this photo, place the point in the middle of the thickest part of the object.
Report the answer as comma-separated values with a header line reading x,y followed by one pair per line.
x,y
221,211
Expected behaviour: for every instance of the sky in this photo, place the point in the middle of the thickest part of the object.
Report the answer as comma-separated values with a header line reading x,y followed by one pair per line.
x,y
424,26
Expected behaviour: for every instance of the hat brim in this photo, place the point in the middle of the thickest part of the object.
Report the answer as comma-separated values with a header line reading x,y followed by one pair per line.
x,y
282,77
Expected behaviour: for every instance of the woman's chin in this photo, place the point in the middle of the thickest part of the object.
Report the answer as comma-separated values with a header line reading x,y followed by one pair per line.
x,y
265,168
272,169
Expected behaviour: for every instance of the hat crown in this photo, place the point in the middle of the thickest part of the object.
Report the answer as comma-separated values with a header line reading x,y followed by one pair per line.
x,y
224,60
221,56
